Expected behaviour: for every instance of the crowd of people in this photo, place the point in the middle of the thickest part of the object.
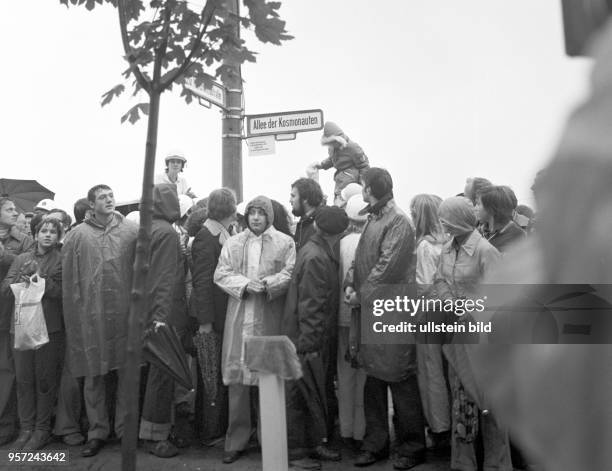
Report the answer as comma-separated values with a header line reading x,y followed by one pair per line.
x,y
220,272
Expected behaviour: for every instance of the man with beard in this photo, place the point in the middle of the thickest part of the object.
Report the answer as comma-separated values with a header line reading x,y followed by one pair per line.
x,y
306,197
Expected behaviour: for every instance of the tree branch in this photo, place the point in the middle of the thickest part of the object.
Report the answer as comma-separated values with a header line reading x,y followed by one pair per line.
x,y
197,43
160,53
140,78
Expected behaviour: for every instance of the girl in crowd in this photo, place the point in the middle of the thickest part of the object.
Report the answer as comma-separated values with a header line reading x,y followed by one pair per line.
x,y
464,261
430,238
38,371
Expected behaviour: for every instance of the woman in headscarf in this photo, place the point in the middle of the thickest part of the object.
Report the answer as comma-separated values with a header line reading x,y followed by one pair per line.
x,y
430,238
464,261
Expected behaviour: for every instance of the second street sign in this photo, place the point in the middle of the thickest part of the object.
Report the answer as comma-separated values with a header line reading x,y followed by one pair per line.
x,y
210,91
284,122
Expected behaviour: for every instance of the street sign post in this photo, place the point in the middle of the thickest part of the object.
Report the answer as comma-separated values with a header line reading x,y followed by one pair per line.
x,y
287,122
210,91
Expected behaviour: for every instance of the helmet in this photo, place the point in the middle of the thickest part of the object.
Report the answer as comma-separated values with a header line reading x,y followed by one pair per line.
x,y
175,155
46,205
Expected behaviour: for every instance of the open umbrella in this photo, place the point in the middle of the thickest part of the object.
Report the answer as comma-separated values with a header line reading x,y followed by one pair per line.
x,y
163,348
24,193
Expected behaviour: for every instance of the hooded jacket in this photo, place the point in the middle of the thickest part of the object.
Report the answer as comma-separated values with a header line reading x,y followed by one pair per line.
x,y
97,267
166,276
347,155
311,309
252,314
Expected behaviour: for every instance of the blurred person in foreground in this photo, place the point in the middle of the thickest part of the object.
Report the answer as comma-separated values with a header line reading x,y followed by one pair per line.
x,y
556,398
254,269
385,256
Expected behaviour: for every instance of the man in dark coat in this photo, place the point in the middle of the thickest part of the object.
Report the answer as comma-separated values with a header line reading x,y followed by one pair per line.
x,y
385,256
167,305
309,318
208,301
306,197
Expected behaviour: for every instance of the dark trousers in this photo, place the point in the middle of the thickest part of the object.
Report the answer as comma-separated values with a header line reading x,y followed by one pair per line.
x,y
306,404
8,398
408,417
38,375
157,407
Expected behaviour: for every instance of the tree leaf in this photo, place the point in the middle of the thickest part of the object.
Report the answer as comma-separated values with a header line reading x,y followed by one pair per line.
x,y
133,114
113,92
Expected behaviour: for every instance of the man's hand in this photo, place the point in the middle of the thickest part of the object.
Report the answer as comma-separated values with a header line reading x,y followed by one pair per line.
x,y
255,287
350,296
205,329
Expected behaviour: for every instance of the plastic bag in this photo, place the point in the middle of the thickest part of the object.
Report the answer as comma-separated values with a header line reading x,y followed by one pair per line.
x,y
30,326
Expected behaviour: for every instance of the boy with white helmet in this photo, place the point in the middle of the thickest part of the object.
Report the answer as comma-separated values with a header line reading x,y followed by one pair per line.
x,y
175,163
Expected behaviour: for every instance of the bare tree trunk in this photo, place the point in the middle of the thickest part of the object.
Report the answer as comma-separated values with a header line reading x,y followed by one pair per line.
x,y
138,303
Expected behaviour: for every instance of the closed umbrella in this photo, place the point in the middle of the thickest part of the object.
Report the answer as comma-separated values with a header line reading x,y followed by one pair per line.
x,y
24,193
312,386
163,348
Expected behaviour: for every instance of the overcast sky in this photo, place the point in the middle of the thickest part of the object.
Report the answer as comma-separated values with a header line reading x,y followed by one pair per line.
x,y
434,91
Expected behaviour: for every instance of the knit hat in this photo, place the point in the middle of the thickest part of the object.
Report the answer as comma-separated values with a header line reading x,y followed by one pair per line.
x,y
331,220
353,207
332,133
351,190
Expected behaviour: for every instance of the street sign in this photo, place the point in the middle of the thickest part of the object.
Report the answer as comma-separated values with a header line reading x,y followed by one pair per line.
x,y
284,122
285,137
210,91
261,145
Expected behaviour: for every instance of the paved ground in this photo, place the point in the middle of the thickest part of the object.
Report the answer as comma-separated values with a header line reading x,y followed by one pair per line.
x,y
192,458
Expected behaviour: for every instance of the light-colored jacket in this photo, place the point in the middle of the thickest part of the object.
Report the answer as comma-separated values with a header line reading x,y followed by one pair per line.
x,y
461,271
252,314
